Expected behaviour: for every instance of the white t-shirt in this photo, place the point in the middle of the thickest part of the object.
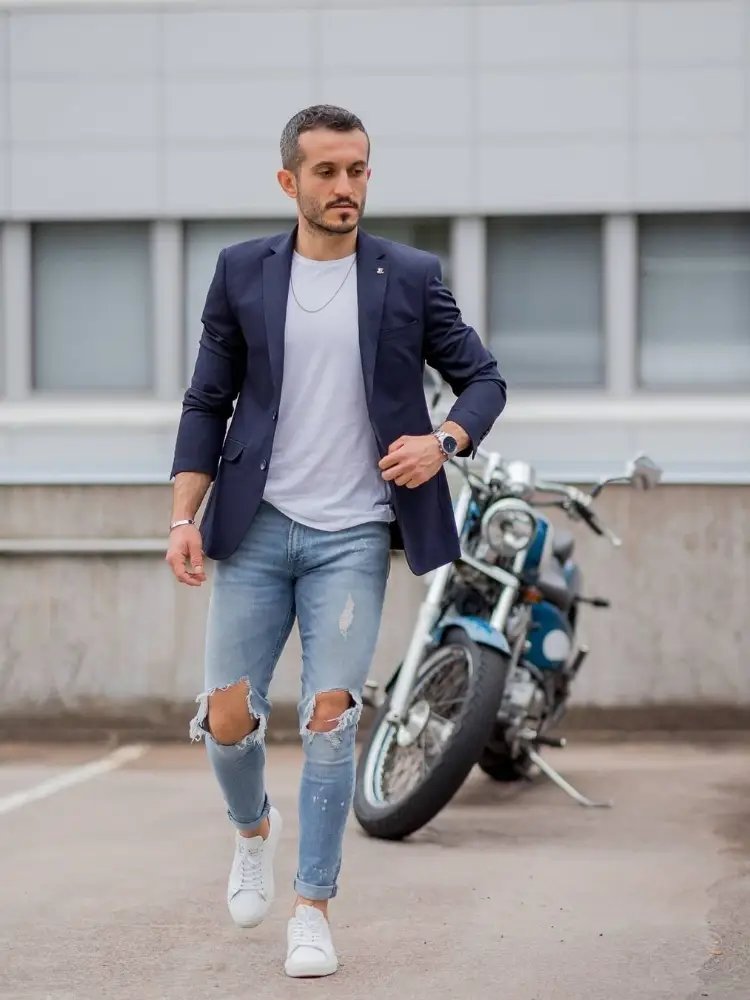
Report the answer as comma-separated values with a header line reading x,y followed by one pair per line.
x,y
324,465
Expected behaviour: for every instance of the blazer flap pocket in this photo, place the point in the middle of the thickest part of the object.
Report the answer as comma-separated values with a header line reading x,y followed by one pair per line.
x,y
232,449
404,329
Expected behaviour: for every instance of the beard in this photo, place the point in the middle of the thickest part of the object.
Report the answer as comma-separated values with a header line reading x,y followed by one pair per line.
x,y
324,217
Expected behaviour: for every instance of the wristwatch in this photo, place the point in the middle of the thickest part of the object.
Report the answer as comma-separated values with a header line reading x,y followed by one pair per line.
x,y
448,444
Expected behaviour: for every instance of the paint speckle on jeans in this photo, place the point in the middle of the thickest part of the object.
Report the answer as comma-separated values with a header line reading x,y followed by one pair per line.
x,y
347,616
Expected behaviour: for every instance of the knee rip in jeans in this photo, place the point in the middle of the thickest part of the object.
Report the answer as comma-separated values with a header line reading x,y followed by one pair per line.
x,y
199,727
336,727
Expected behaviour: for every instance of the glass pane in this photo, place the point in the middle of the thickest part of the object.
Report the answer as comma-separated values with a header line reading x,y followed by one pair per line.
x,y
92,307
545,301
203,243
432,235
695,301
2,320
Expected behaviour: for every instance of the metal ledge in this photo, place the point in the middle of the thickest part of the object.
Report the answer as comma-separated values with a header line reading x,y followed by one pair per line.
x,y
82,546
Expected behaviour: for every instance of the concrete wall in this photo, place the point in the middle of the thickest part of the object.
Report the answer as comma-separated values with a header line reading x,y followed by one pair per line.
x,y
115,636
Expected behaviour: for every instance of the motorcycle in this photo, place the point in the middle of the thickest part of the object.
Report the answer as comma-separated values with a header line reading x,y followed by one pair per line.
x,y
489,668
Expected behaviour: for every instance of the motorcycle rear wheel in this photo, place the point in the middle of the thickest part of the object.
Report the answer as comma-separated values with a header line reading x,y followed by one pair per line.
x,y
384,812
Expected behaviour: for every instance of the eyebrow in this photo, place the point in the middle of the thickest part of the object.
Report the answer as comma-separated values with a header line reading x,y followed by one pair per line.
x,y
330,163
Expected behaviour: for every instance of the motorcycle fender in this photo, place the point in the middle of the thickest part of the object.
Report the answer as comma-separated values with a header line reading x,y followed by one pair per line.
x,y
477,629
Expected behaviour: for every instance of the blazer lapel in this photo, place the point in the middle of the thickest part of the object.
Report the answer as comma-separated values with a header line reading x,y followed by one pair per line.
x,y
372,278
277,268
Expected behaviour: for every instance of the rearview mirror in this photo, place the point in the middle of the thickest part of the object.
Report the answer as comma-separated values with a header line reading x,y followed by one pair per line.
x,y
643,473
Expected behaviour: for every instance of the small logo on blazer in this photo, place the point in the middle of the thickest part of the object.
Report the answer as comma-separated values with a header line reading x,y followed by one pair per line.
x,y
381,270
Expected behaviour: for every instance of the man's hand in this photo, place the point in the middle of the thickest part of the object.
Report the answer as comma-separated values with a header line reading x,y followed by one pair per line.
x,y
412,461
185,555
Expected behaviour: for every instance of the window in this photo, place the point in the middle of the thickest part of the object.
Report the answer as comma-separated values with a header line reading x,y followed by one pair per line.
x,y
92,328
432,235
203,243
544,292
695,301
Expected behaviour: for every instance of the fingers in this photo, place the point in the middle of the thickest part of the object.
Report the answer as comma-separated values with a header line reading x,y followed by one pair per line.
x,y
177,565
196,558
389,461
391,458
185,558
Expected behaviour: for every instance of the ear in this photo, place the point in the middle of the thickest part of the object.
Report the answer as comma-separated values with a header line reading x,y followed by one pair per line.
x,y
369,173
287,182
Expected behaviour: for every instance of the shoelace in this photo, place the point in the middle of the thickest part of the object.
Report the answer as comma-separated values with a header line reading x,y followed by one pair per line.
x,y
306,931
251,871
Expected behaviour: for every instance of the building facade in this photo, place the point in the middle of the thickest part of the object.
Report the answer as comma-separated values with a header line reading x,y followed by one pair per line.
x,y
582,168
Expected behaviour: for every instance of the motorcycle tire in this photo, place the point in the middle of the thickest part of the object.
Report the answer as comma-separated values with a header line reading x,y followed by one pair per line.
x,y
462,750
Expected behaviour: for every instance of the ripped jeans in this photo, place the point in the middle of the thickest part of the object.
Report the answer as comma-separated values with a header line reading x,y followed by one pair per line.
x,y
333,582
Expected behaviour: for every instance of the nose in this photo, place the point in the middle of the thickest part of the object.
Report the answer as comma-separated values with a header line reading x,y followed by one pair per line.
x,y
343,188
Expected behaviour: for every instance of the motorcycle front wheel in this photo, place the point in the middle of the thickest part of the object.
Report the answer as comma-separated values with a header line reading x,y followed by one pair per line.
x,y
405,775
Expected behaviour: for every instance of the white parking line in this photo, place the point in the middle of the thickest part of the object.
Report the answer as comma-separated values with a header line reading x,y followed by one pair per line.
x,y
123,755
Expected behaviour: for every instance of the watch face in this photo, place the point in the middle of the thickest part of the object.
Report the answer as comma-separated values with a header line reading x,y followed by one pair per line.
x,y
450,445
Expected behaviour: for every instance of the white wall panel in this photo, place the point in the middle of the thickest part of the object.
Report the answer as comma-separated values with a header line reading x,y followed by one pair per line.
x,y
84,184
4,45
4,181
552,176
68,112
691,173
423,177
405,107
693,101
247,109
542,103
689,32
84,44
4,110
576,35
236,42
388,40
223,180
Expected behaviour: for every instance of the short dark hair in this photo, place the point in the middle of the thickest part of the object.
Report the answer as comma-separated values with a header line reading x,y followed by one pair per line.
x,y
317,116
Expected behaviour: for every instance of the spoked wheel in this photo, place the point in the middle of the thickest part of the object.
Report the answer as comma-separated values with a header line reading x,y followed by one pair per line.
x,y
407,773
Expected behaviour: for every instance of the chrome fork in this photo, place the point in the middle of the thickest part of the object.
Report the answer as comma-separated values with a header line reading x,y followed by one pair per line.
x,y
429,611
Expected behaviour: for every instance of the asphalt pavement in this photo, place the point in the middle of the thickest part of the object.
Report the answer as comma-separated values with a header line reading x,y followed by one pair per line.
x,y
112,883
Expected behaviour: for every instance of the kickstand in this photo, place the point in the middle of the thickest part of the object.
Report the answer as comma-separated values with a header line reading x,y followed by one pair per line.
x,y
558,779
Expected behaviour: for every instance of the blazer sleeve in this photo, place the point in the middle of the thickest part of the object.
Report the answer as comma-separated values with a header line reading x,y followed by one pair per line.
x,y
217,378
454,350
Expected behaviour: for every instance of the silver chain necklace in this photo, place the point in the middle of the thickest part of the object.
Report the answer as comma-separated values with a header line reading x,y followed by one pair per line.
x,y
321,308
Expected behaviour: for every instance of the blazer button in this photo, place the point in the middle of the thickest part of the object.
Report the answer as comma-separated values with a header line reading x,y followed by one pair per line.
x,y
263,465
275,415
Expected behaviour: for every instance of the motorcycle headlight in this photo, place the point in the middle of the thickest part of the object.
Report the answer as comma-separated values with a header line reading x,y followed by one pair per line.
x,y
508,527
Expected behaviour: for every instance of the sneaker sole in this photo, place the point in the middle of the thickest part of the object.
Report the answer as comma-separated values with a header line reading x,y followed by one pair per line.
x,y
310,971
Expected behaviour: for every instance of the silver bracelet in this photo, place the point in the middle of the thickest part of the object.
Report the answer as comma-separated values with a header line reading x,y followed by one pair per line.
x,y
177,524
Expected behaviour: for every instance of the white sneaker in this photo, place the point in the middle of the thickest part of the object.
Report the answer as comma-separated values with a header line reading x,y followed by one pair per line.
x,y
250,891
310,950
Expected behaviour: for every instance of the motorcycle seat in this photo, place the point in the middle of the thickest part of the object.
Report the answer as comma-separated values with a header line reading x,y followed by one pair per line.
x,y
563,545
554,588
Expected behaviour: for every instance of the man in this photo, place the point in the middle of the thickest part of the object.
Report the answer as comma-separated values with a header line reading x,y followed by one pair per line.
x,y
320,335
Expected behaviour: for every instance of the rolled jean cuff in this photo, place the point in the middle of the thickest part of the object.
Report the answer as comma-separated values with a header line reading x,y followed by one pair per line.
x,y
247,825
310,891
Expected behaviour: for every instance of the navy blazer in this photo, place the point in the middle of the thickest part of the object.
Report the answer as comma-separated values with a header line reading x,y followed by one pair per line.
x,y
406,317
